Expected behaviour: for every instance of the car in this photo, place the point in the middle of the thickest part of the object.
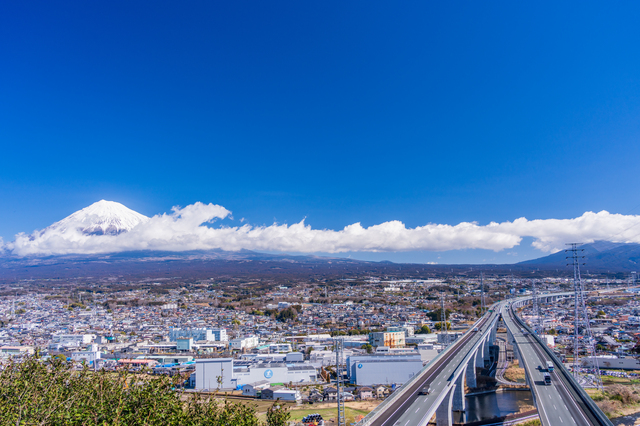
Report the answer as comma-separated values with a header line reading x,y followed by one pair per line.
x,y
475,329
425,390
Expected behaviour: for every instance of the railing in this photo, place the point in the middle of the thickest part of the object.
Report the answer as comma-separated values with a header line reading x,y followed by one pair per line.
x,y
403,389
568,378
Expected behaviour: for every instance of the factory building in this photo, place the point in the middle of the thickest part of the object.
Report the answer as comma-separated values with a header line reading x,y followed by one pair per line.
x,y
73,339
244,343
392,339
214,373
276,372
609,361
209,334
227,373
368,370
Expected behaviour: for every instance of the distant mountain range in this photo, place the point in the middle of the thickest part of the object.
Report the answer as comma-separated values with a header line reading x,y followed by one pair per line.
x,y
599,256
109,218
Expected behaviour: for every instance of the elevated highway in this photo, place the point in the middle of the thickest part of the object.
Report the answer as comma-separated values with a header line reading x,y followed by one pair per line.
x,y
563,402
446,375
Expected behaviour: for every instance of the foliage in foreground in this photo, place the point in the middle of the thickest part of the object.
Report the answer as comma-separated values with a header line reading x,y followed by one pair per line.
x,y
33,392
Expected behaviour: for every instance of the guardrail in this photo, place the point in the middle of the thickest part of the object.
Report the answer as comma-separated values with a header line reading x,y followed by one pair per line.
x,y
586,399
373,415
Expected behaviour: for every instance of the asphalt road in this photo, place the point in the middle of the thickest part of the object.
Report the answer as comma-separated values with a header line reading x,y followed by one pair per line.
x,y
556,404
411,408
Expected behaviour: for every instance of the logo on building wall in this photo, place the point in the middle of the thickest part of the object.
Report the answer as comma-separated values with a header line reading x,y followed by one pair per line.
x,y
268,374
359,365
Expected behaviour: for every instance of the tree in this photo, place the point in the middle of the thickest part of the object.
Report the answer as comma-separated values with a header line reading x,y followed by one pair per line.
x,y
35,392
367,347
438,325
287,314
424,330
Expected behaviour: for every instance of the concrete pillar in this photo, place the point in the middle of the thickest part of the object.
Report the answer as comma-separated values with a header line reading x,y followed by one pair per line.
x,y
516,355
486,355
444,416
470,371
480,356
458,394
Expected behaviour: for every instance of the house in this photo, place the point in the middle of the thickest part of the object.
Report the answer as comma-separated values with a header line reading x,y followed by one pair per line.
x,y
267,393
330,394
254,389
380,391
365,392
315,396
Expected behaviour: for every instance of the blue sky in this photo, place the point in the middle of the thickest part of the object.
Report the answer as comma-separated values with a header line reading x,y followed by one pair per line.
x,y
332,112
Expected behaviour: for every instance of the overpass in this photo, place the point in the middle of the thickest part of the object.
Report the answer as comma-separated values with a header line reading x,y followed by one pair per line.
x,y
446,374
563,403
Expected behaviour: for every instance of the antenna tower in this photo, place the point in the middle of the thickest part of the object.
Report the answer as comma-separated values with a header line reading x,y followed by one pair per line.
x,y
482,304
581,314
443,321
512,289
339,345
536,309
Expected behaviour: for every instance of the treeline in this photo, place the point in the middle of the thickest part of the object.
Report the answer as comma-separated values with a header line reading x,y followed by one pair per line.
x,y
34,392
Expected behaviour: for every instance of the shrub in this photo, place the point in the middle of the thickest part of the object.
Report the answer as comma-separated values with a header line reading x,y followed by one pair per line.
x,y
34,392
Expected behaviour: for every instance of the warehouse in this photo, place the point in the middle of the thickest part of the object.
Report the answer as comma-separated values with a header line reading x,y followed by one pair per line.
x,y
214,373
227,373
368,370
276,372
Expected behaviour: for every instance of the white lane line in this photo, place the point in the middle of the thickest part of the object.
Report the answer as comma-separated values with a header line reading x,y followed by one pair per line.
x,y
418,409
561,419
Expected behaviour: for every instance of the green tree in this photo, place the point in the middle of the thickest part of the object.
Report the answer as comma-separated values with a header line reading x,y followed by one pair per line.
x,y
438,325
35,392
424,330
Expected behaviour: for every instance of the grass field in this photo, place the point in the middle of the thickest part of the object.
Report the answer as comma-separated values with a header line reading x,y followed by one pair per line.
x,y
351,414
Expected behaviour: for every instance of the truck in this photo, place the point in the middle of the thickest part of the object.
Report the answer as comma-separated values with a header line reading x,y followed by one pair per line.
x,y
547,379
425,390
550,366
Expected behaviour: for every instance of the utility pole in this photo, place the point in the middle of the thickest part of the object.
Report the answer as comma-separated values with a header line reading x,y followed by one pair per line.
x,y
339,346
443,321
536,309
482,304
580,313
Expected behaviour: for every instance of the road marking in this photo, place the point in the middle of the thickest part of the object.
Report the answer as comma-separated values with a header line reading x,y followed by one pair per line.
x,y
418,409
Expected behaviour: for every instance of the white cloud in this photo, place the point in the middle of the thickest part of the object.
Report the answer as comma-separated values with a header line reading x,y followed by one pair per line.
x,y
186,229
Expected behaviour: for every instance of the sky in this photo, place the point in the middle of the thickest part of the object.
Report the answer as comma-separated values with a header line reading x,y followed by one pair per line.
x,y
331,113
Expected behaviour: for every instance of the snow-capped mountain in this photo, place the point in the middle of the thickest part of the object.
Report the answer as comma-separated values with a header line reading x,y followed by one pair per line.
x,y
100,218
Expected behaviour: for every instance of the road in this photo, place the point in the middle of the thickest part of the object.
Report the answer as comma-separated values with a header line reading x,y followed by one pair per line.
x,y
556,403
411,409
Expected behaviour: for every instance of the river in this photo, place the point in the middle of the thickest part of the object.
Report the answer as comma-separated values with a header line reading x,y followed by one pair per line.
x,y
494,404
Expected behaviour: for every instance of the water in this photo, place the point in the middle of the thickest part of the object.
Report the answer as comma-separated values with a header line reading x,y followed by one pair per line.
x,y
630,420
494,404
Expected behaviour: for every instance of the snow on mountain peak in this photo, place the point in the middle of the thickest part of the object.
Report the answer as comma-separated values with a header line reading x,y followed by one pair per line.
x,y
101,218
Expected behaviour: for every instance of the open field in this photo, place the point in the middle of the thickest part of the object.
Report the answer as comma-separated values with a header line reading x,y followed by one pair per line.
x,y
514,373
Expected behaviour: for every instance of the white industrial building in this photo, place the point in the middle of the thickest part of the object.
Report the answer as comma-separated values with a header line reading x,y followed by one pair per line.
x,y
214,374
368,370
227,373
208,334
276,372
244,343
73,339
612,362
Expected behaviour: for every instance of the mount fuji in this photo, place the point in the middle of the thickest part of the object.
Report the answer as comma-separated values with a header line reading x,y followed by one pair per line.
x,y
100,218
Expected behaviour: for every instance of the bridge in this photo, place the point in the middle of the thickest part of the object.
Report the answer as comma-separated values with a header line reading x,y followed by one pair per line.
x,y
562,403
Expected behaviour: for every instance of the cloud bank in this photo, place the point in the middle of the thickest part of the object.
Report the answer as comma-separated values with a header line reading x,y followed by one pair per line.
x,y
191,228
